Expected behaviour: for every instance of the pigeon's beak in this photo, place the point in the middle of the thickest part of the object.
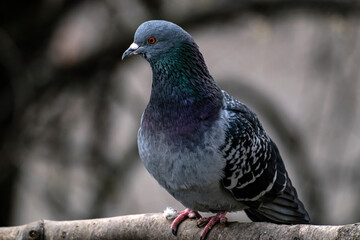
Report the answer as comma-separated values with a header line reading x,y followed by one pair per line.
x,y
130,51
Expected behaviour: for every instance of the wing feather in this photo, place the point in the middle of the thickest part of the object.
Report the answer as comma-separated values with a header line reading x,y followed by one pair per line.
x,y
255,173
251,163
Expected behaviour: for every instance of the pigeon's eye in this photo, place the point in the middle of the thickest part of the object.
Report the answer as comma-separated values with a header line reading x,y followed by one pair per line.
x,y
151,40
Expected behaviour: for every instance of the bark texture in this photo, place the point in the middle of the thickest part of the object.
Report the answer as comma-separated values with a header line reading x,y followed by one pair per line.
x,y
155,226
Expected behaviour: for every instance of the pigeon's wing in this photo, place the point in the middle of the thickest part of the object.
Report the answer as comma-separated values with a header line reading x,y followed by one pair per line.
x,y
255,173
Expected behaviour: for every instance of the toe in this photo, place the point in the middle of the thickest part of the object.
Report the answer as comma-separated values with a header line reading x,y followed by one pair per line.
x,y
187,213
202,222
211,221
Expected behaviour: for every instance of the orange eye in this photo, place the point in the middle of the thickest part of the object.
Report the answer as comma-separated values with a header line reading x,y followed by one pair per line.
x,y
151,40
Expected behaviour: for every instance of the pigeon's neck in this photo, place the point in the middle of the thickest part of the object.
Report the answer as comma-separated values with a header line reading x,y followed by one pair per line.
x,y
184,96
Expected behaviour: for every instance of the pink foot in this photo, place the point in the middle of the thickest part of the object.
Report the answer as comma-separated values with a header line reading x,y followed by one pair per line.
x,y
210,222
187,213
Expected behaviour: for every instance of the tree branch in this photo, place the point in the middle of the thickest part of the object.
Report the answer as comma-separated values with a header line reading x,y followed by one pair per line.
x,y
155,226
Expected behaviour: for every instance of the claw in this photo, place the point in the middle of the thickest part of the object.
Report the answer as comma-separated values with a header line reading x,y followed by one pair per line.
x,y
202,222
174,231
187,213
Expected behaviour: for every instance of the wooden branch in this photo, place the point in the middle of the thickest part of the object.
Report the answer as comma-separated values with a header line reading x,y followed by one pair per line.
x,y
155,226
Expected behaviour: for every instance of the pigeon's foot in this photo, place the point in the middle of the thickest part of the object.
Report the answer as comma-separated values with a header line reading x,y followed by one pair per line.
x,y
187,213
210,222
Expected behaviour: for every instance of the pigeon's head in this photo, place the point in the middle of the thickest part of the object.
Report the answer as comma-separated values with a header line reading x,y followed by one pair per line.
x,y
157,38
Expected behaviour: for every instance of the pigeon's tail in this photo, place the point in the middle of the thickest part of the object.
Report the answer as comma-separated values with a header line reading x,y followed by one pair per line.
x,y
286,208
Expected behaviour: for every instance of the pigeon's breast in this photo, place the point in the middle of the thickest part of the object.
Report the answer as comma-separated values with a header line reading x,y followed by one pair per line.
x,y
182,160
189,168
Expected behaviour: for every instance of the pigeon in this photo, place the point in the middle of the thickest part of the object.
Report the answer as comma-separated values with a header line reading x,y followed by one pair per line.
x,y
206,148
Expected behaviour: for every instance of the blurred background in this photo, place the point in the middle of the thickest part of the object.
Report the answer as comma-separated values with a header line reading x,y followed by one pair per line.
x,y
70,109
